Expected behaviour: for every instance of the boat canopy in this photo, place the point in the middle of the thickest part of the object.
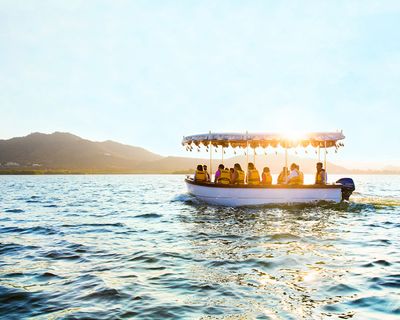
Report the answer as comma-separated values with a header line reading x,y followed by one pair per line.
x,y
263,140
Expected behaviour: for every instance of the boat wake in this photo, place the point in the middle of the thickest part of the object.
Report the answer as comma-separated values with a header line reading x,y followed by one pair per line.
x,y
378,201
187,199
372,204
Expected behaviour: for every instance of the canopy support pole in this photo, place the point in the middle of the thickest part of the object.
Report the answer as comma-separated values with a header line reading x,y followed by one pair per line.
x,y
247,150
222,154
286,162
254,156
210,146
319,154
325,157
286,157
247,155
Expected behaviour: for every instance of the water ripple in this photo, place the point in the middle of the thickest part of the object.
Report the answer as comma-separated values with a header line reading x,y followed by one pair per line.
x,y
138,246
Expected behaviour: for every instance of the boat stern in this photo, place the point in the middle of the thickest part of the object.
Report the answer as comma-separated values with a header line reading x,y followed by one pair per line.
x,y
348,187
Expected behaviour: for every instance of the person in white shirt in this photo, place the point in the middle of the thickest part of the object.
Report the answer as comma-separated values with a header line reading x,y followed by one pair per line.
x,y
293,173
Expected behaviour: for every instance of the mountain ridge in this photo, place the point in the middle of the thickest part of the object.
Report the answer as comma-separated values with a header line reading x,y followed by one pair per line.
x,y
65,151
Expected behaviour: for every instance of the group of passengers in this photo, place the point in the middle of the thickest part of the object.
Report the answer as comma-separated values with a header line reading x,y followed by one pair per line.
x,y
236,175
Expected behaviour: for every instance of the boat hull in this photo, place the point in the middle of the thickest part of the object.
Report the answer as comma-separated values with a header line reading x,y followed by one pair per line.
x,y
236,196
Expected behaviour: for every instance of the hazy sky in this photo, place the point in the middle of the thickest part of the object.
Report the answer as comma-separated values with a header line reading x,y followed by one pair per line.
x,y
148,72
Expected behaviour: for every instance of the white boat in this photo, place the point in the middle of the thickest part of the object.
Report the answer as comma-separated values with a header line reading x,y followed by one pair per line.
x,y
253,195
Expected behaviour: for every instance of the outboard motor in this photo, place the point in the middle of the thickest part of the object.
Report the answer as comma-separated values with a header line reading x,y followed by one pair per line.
x,y
348,187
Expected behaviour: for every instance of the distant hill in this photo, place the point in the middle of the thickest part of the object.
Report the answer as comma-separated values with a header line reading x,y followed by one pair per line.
x,y
65,153
69,152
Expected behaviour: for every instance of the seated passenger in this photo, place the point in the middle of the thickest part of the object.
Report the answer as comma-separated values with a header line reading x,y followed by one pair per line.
x,y
232,171
207,174
283,175
200,175
225,176
238,174
301,174
294,176
253,177
266,178
218,172
320,176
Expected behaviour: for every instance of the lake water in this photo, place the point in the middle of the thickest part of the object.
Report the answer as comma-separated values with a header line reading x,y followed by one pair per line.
x,y
137,246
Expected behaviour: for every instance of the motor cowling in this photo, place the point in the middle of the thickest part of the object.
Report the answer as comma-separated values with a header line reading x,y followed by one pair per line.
x,y
348,187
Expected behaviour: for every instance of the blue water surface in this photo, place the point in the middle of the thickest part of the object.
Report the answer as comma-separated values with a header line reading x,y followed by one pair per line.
x,y
137,246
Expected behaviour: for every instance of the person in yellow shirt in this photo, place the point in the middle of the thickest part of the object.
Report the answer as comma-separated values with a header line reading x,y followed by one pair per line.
x,y
266,178
301,174
200,175
253,177
224,176
283,175
320,176
238,174
207,174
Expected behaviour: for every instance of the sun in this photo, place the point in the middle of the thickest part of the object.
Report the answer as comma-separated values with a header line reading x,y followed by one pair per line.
x,y
293,135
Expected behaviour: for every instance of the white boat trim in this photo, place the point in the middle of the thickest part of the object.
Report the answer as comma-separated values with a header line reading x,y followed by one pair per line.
x,y
255,195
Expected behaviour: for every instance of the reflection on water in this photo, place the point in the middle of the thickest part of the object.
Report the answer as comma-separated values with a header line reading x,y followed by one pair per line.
x,y
139,246
279,255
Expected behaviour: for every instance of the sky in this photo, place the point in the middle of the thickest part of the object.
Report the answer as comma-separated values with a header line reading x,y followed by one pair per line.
x,y
147,73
